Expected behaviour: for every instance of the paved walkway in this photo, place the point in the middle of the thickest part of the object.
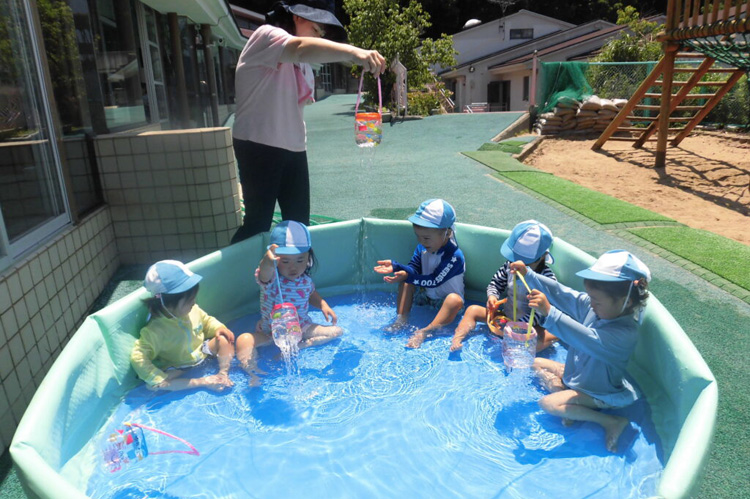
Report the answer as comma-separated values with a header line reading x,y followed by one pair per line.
x,y
421,159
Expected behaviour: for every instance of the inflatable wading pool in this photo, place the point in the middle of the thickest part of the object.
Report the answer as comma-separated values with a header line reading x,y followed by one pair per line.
x,y
93,373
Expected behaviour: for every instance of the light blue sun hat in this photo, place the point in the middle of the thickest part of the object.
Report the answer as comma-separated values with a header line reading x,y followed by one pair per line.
x,y
617,265
291,237
528,242
170,277
434,214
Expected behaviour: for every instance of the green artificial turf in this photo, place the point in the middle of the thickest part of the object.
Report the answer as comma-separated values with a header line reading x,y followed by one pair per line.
x,y
724,257
599,207
500,161
509,146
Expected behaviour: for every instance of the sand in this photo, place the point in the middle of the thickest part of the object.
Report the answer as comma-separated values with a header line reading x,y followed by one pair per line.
x,y
705,184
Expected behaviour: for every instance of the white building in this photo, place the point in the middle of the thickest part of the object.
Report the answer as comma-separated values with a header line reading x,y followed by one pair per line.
x,y
495,59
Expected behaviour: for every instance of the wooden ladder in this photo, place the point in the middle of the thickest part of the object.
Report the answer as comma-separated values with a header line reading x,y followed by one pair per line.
x,y
670,102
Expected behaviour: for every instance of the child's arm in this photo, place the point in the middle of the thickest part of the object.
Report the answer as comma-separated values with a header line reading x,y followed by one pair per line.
x,y
317,301
497,286
571,302
141,358
267,265
214,327
450,266
386,267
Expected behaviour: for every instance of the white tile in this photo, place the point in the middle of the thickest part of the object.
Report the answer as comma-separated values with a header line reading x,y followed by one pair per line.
x,y
5,301
14,286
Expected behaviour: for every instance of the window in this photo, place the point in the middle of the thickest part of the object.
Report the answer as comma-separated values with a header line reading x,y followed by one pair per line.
x,y
526,80
125,98
522,34
32,205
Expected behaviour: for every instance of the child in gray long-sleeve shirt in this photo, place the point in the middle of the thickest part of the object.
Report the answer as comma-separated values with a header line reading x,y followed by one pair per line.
x,y
601,330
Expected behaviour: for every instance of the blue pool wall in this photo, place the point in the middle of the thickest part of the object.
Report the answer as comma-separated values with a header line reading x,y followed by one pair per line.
x,y
93,372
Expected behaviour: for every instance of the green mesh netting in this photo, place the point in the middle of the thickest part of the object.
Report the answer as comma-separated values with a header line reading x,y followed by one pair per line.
x,y
563,80
733,50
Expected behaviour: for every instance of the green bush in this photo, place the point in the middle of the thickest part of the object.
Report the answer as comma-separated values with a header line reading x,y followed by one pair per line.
x,y
422,102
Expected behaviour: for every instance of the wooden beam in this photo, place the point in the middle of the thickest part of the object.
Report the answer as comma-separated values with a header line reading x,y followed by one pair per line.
x,y
708,107
683,92
632,102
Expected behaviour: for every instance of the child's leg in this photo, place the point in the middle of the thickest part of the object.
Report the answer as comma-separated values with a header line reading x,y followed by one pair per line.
x,y
550,373
448,311
473,314
223,350
247,353
403,306
317,334
544,338
578,406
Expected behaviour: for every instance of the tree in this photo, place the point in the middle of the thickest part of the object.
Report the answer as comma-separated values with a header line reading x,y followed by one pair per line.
x,y
637,43
391,29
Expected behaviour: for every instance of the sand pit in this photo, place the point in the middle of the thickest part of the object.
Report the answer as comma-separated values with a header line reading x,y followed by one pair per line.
x,y
705,185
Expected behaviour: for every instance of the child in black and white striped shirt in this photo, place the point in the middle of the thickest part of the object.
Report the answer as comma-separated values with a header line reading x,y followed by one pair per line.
x,y
529,242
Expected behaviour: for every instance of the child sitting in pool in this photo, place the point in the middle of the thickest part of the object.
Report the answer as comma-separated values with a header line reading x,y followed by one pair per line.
x,y
529,242
179,333
435,274
291,253
600,327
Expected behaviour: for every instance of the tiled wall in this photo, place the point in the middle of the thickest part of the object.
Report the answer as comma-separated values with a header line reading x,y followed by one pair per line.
x,y
43,300
173,194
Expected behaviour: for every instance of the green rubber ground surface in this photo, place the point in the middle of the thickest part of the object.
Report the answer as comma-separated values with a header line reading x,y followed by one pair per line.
x,y
421,159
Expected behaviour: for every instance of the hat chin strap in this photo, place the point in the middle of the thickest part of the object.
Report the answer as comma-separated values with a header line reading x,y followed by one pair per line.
x,y
161,299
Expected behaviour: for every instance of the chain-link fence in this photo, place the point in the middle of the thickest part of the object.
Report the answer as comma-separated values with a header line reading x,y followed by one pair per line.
x,y
621,80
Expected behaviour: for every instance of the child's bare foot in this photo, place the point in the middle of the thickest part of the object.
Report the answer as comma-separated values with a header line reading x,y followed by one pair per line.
x,y
254,380
456,344
417,339
397,325
613,430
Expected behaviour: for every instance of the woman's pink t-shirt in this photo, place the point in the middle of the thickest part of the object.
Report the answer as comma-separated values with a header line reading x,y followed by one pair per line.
x,y
271,95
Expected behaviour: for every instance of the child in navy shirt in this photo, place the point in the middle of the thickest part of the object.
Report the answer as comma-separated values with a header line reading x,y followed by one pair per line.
x,y
435,274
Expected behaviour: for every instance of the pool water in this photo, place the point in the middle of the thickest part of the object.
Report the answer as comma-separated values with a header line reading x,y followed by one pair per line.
x,y
367,417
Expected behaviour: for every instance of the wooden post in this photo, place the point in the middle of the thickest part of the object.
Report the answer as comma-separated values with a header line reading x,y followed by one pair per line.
x,y
670,51
183,110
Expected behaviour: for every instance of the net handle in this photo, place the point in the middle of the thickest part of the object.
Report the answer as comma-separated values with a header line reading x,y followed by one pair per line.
x,y
531,317
359,95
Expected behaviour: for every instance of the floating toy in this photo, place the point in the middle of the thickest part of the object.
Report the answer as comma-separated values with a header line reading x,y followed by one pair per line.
x,y
128,445
368,127
496,319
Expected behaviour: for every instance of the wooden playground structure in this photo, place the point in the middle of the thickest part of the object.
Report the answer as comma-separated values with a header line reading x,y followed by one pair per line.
x,y
701,38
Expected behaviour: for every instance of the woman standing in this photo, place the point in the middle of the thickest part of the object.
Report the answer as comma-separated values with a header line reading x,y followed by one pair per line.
x,y
273,84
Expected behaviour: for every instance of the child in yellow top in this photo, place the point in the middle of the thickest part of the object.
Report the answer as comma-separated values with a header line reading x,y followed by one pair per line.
x,y
179,333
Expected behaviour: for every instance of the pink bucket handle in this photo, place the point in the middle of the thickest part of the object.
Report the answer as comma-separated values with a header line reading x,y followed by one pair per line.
x,y
193,451
359,95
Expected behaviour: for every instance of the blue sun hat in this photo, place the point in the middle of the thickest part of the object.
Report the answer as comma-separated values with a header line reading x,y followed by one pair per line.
x,y
528,242
617,265
170,277
291,237
434,214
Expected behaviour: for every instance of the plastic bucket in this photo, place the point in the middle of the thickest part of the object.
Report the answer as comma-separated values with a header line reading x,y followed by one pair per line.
x,y
285,324
368,129
518,349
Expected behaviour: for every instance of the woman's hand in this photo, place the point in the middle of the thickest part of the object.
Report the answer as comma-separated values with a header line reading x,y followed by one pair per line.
x,y
371,61
539,302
